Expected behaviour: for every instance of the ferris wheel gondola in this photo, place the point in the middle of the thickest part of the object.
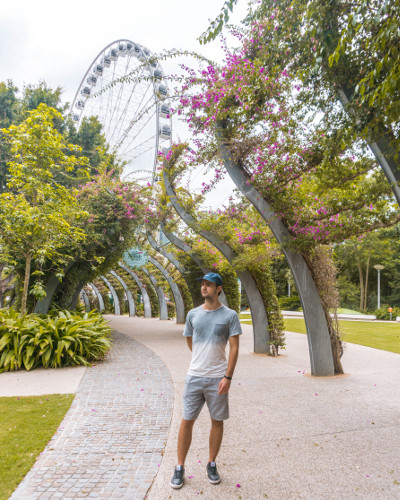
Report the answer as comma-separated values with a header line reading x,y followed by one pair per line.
x,y
124,87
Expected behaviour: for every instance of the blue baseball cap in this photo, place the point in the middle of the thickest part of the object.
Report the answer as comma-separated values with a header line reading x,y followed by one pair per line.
x,y
214,277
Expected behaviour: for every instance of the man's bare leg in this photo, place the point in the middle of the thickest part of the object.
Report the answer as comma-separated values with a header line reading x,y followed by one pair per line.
x,y
217,431
184,439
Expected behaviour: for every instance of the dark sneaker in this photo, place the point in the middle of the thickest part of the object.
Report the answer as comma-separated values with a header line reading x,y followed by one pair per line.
x,y
177,479
212,473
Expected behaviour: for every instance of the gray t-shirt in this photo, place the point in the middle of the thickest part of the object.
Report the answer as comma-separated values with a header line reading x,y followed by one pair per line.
x,y
210,331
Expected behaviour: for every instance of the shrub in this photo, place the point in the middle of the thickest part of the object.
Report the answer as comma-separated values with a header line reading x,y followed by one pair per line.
x,y
171,310
291,303
384,314
59,339
140,309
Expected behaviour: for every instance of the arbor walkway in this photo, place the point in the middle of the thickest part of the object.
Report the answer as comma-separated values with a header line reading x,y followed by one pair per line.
x,y
290,436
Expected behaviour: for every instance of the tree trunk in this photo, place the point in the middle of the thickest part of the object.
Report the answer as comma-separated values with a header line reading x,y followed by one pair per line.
x,y
26,282
366,284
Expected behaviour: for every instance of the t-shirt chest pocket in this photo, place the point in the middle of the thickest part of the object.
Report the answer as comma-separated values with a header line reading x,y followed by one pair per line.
x,y
220,330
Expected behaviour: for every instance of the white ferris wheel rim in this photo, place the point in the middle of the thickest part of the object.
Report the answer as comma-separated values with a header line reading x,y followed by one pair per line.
x,y
131,128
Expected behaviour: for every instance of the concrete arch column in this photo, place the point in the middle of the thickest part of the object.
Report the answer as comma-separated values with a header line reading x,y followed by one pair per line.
x,y
175,240
261,336
42,306
176,263
98,295
131,302
179,305
160,295
117,308
143,291
319,343
85,300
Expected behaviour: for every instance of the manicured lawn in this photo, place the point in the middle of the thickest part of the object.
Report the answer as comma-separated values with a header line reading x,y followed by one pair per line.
x,y
26,426
347,311
385,336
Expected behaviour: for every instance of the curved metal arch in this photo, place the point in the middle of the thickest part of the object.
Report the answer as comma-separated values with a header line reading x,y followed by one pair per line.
x,y
117,308
131,302
160,295
143,291
386,162
175,240
181,269
42,307
166,254
98,295
85,300
320,348
261,336
179,305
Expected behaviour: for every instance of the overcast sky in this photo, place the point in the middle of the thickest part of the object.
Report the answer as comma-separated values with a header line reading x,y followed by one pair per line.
x,y
56,41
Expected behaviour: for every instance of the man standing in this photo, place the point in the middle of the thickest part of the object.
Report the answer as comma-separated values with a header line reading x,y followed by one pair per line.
x,y
208,329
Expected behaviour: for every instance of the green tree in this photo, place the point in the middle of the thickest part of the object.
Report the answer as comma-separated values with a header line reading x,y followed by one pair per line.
x,y
357,256
41,93
91,139
39,217
8,103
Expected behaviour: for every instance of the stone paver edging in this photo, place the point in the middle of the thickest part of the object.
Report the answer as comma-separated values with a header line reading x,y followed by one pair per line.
x,y
111,441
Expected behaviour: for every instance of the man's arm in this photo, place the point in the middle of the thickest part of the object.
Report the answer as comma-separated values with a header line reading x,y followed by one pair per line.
x,y
189,342
225,384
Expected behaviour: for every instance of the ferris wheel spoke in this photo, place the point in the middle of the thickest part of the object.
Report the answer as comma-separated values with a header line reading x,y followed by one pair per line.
x,y
123,114
141,148
137,132
126,107
135,123
110,101
117,104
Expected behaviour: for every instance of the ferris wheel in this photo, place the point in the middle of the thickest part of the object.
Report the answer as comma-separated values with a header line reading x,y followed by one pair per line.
x,y
124,87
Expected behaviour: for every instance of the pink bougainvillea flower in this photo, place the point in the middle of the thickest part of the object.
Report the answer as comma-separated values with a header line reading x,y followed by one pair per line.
x,y
238,486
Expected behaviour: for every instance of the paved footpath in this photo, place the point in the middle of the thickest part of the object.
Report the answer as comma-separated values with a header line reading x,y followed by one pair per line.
x,y
110,443
290,436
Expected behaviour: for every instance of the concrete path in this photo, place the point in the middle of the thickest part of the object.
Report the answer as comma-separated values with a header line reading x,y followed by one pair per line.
x,y
290,435
41,381
111,442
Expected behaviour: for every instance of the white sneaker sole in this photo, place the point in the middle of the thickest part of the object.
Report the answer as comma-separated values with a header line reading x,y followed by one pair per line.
x,y
176,486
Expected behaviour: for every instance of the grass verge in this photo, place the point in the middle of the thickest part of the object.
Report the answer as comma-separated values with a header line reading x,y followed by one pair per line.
x,y
26,426
384,336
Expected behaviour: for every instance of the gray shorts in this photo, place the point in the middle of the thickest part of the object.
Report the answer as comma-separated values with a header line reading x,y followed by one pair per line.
x,y
199,390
